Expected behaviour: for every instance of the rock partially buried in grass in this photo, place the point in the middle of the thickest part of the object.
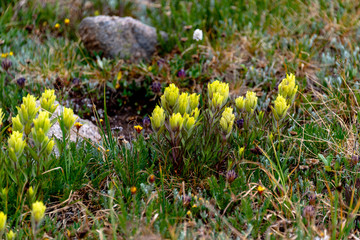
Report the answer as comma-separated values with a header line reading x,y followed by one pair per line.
x,y
114,36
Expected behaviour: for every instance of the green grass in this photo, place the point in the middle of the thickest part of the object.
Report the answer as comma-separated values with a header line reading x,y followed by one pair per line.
x,y
250,45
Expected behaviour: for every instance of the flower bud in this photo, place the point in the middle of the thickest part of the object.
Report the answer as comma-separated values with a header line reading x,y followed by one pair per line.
x,y
189,122
133,190
47,101
152,178
241,151
49,146
250,101
170,96
6,64
38,211
2,221
281,108
231,176
21,82
158,118
227,121
287,87
156,87
176,122
240,103
194,101
16,145
181,73
198,35
146,122
10,235
31,192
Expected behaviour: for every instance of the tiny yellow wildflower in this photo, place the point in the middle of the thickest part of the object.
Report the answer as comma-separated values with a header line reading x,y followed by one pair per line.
x,y
2,221
260,189
57,26
188,213
133,190
11,53
194,206
67,21
138,128
78,125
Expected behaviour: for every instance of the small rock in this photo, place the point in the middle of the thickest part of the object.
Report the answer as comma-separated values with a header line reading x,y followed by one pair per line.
x,y
114,36
87,131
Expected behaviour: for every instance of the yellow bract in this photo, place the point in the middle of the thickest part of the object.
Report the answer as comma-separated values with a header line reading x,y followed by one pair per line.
x,y
176,122
227,121
10,235
281,107
288,87
38,211
158,118
16,145
170,96
240,103
2,221
47,101
250,101
218,92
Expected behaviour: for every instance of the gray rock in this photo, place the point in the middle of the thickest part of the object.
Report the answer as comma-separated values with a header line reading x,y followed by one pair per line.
x,y
114,36
88,131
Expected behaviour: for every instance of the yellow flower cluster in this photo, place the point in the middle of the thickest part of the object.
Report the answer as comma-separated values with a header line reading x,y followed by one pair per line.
x,y
248,103
16,145
288,87
287,92
184,109
38,211
5,55
227,121
26,114
218,93
47,101
68,119
3,218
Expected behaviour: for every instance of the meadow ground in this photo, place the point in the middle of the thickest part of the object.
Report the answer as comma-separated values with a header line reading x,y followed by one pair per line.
x,y
280,163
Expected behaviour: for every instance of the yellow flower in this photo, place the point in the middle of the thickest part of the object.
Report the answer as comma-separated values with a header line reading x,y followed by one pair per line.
x,y
117,86
57,26
150,68
10,235
176,122
38,211
260,189
157,118
281,108
4,55
96,13
194,206
222,90
287,87
101,121
241,151
78,125
67,21
138,128
170,96
11,53
188,213
250,101
195,113
2,221
240,103
227,121
133,190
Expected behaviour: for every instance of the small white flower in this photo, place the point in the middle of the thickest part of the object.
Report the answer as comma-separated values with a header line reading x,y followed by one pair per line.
x,y
198,35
